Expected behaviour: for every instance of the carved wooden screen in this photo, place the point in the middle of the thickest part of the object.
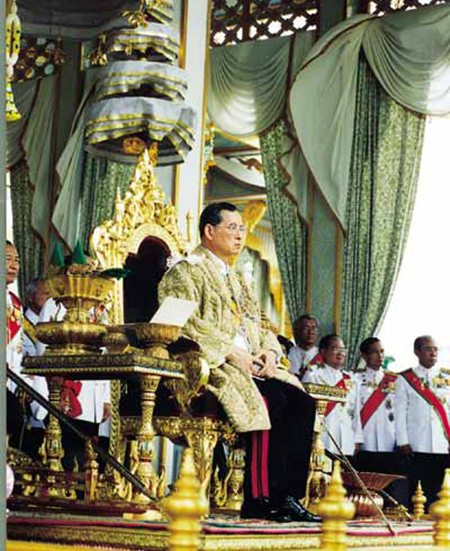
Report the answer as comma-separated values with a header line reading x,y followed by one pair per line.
x,y
235,21
380,7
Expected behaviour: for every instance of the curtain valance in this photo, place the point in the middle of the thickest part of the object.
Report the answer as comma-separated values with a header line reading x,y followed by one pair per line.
x,y
249,82
409,52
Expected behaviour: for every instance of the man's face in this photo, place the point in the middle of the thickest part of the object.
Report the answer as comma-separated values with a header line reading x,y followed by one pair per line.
x,y
40,295
427,353
334,355
306,333
12,264
375,356
226,239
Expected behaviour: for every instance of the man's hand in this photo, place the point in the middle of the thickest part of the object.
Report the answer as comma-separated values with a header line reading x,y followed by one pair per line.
x,y
106,411
406,450
268,359
242,359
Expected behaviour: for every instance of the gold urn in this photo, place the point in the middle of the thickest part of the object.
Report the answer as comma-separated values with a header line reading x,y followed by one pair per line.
x,y
79,332
154,337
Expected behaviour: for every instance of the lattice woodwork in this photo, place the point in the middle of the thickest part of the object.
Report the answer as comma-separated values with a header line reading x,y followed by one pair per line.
x,y
235,21
380,7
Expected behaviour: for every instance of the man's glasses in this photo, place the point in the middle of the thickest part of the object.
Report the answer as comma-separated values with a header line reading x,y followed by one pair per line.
x,y
338,349
232,228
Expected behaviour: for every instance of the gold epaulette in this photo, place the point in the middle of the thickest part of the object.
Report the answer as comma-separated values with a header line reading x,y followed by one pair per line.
x,y
391,374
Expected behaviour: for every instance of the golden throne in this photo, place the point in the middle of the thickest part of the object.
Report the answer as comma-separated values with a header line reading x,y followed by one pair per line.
x,y
141,235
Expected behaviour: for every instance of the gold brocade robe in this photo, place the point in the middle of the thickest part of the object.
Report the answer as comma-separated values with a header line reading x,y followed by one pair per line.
x,y
223,308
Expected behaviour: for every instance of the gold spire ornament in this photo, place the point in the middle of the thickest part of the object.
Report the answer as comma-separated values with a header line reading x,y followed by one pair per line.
x,y
185,507
419,500
12,49
335,511
440,510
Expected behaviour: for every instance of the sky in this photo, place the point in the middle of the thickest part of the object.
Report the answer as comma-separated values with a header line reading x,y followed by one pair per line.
x,y
421,299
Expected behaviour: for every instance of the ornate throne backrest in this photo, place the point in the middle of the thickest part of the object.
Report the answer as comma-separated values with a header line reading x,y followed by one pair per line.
x,y
142,220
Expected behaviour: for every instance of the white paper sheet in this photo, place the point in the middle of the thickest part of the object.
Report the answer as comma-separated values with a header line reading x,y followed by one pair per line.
x,y
174,311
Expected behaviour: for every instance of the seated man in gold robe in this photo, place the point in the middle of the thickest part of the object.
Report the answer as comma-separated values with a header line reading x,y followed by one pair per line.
x,y
259,398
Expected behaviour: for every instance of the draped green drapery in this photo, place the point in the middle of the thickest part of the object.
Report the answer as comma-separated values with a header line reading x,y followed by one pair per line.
x,y
288,232
387,146
28,245
102,177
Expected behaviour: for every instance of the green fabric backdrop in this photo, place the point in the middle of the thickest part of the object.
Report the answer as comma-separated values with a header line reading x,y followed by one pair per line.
x,y
387,147
101,179
28,245
288,231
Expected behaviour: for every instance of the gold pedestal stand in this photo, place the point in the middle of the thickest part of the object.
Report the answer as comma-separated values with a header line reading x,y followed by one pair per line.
x,y
320,466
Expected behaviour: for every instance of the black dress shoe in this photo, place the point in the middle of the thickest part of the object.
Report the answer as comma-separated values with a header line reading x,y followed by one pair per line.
x,y
263,510
291,507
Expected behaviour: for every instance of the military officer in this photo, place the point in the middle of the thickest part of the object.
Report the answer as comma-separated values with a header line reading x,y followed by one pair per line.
x,y
341,419
376,391
422,411
305,351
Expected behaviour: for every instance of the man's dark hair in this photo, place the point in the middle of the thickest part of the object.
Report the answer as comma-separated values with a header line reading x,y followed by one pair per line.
x,y
364,347
327,340
306,317
420,341
211,215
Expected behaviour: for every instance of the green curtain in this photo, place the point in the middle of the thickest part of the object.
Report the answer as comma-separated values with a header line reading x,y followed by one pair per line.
x,y
385,161
288,231
101,179
28,245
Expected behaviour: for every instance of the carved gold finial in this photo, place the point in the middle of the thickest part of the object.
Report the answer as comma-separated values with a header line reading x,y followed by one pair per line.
x,y
185,507
335,510
419,500
440,510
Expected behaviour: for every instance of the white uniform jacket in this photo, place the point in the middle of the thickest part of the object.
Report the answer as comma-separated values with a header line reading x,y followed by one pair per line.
x,y
379,431
15,351
93,394
416,421
300,358
343,421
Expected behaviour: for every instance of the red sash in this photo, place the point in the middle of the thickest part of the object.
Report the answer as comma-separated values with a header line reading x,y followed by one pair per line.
x,y
340,384
70,405
376,398
429,396
14,317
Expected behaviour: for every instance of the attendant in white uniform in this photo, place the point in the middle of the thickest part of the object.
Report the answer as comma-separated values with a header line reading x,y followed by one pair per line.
x,y
36,296
305,351
90,400
422,413
341,419
376,392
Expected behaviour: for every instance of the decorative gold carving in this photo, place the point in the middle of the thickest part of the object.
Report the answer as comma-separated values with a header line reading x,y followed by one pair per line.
x,y
440,510
201,434
185,507
196,373
335,511
12,49
419,500
320,464
228,494
90,473
253,213
79,294
145,437
53,445
154,337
